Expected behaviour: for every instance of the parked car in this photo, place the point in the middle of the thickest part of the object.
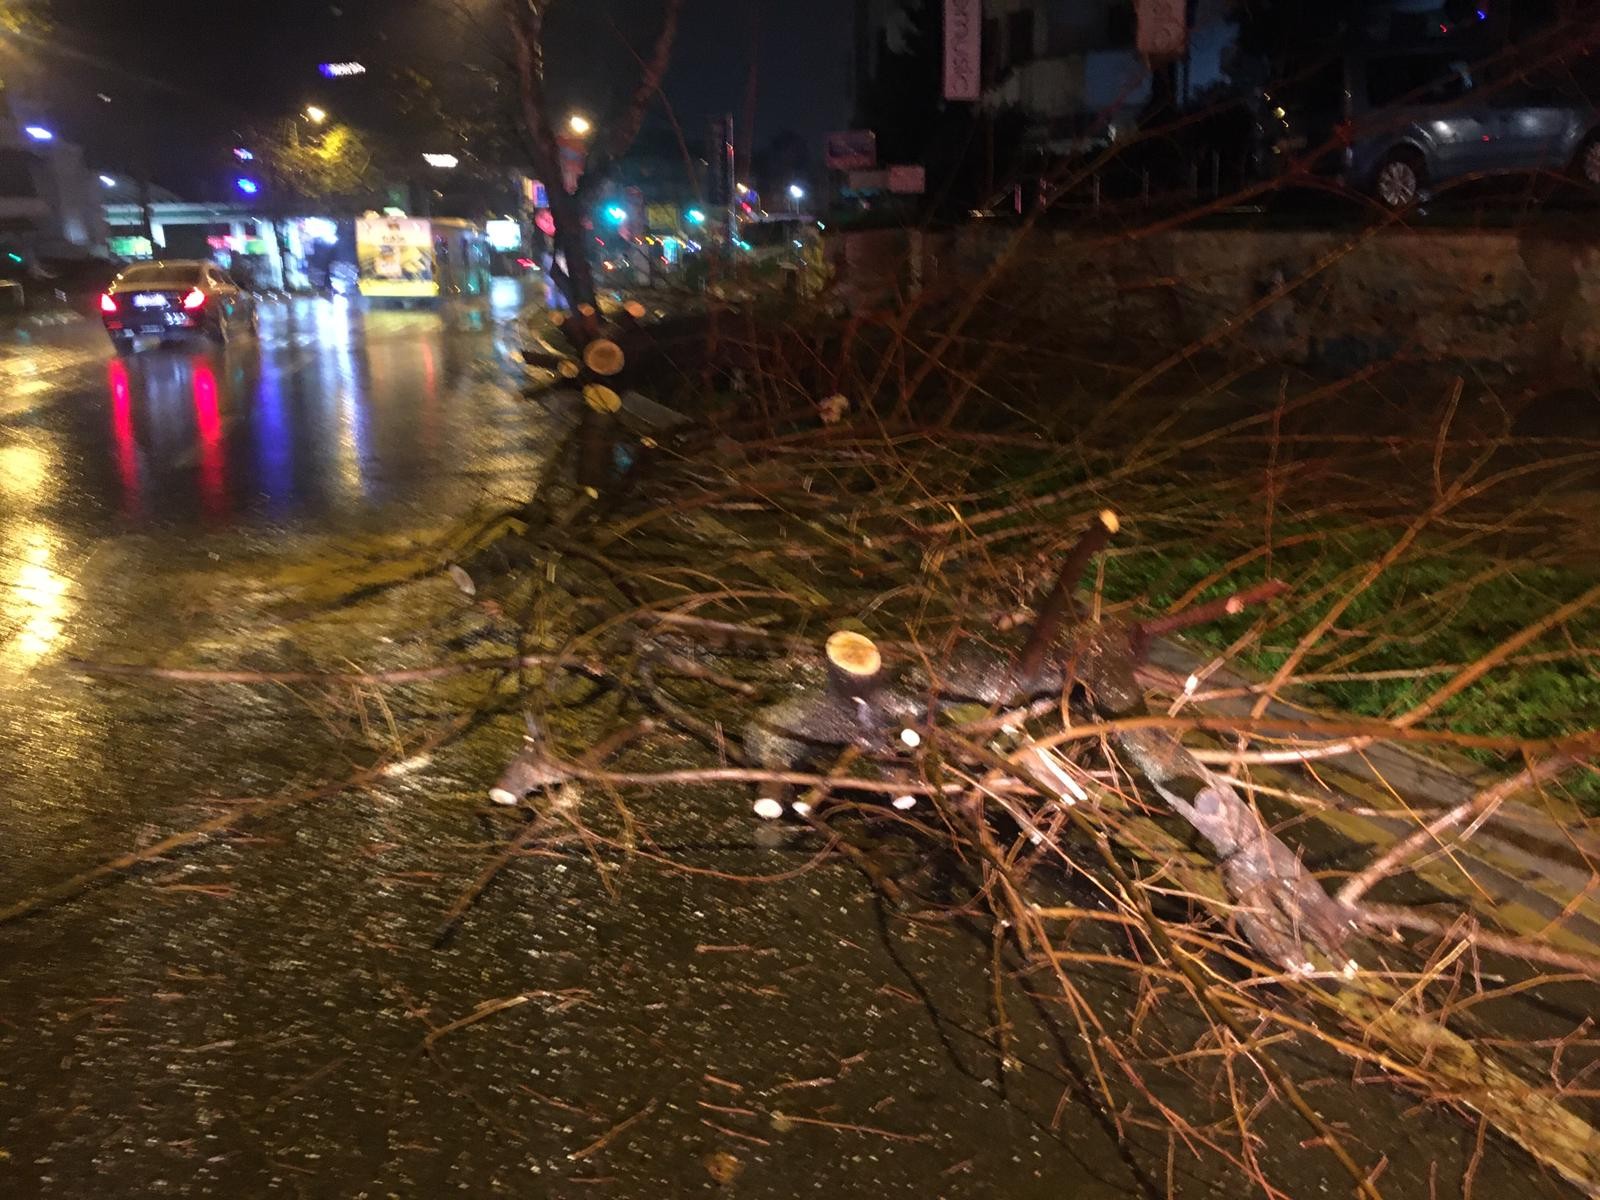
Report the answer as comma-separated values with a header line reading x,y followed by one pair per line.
x,y
779,238
175,298
75,283
1399,125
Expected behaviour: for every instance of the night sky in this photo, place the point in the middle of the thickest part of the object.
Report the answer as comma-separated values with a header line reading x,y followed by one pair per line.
x,y
186,73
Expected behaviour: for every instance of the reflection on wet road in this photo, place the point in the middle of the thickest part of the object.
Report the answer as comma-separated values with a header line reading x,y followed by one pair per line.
x,y
148,505
143,500
336,420
334,412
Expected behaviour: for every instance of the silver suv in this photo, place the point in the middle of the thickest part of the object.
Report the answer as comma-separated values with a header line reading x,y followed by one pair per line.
x,y
1403,124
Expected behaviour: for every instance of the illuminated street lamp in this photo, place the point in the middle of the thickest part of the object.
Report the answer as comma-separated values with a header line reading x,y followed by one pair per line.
x,y
616,214
39,133
247,185
445,162
107,181
316,115
796,194
579,124
695,216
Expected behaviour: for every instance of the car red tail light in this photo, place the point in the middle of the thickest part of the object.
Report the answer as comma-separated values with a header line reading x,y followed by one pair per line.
x,y
195,299
108,302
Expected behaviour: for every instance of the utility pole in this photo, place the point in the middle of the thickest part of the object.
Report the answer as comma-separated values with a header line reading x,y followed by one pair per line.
x,y
742,160
146,221
138,109
723,191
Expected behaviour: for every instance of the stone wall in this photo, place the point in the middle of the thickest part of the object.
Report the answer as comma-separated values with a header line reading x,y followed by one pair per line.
x,y
1495,296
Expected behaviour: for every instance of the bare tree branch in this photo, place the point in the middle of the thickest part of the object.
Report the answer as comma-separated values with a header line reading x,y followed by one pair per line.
x,y
1474,810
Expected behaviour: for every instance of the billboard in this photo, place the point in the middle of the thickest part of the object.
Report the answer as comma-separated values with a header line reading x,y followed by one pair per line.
x,y
395,257
908,180
867,181
534,194
504,235
851,150
963,44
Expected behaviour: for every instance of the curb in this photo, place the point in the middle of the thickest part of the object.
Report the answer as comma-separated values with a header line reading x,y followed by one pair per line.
x,y
1528,871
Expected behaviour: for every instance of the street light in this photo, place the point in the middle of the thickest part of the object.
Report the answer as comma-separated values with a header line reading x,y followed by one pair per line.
x,y
796,194
107,181
444,162
316,115
247,185
616,214
695,217
579,124
39,133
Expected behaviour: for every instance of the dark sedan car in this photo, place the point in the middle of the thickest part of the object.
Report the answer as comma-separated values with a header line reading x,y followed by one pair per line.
x,y
172,299
1400,125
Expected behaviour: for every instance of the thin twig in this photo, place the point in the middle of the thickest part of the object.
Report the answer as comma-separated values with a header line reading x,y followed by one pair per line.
x,y
610,1135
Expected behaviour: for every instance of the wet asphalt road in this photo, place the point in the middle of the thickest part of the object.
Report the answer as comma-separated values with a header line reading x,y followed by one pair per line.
x,y
252,1018
335,417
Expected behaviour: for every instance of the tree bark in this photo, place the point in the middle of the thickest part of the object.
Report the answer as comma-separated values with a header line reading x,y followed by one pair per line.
x,y
527,22
577,284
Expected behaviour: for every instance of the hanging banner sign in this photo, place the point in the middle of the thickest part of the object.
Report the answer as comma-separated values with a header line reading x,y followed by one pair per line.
x,y
963,45
1163,28
867,181
574,154
908,180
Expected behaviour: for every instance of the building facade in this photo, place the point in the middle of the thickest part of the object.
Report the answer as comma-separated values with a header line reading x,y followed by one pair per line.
x,y
1072,69
49,200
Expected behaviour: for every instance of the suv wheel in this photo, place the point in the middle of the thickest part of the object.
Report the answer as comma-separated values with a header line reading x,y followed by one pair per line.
x,y
1587,168
1398,183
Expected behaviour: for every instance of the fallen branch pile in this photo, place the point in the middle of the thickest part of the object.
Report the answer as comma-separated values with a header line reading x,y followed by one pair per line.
x,y
903,672
866,630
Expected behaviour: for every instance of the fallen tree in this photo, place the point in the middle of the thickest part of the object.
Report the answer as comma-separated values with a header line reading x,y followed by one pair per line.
x,y
915,632
994,734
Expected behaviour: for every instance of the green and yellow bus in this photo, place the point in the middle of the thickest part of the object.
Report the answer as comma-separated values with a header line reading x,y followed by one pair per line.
x,y
420,260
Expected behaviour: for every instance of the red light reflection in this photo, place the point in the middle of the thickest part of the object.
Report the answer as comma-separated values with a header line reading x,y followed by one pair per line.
x,y
208,426
430,399
122,434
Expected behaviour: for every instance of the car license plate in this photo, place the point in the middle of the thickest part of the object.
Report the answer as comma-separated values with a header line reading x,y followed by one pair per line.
x,y
149,300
